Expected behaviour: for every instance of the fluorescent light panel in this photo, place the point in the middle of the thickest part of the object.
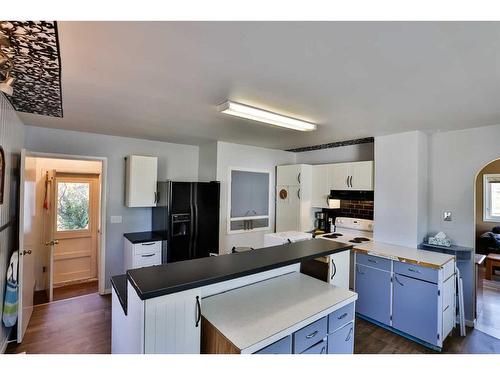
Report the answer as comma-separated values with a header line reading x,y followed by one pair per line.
x,y
256,114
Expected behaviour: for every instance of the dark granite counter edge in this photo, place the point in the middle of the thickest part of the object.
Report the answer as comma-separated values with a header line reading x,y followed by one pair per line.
x,y
230,276
141,237
119,284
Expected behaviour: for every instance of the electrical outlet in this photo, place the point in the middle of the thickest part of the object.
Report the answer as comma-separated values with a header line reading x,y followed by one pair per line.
x,y
115,219
447,216
44,269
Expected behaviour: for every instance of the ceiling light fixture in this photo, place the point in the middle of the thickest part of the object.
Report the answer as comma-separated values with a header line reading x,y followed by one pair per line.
x,y
6,65
256,114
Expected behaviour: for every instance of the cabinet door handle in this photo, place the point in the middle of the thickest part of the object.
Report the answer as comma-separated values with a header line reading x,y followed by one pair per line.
x,y
323,349
350,181
298,193
447,307
413,270
397,280
342,316
198,309
147,255
298,178
334,270
147,243
347,181
349,335
372,260
311,335
357,269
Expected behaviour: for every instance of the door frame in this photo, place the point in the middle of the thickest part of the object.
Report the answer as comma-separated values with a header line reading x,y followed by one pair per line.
x,y
101,254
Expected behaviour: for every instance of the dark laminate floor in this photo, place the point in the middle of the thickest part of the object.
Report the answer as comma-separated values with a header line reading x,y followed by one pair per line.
x,y
371,339
83,325
79,325
67,291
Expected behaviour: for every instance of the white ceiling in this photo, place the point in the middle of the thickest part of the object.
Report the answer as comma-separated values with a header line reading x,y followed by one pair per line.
x,y
163,80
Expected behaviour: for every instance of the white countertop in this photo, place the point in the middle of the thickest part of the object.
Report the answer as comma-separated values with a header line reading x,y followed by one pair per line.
x,y
405,254
257,315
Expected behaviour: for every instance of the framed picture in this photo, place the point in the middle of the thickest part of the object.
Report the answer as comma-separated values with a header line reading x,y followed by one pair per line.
x,y
2,173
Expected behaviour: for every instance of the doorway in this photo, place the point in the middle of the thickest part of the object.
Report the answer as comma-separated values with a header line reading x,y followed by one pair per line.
x,y
487,246
62,233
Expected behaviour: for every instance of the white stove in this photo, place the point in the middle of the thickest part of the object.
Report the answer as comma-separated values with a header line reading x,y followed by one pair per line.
x,y
351,230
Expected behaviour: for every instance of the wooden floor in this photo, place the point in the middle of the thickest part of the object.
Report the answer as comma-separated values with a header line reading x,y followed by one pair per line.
x,y
76,325
488,317
83,325
67,291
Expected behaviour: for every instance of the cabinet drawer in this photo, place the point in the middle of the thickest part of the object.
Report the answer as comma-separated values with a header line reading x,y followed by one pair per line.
x,y
306,337
147,247
147,259
417,272
373,261
340,317
319,348
283,346
342,341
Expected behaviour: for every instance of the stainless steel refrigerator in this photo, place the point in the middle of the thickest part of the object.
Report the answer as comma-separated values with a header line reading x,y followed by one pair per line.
x,y
187,214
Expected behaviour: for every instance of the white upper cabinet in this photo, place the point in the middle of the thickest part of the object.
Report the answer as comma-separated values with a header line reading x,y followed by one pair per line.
x,y
362,175
141,179
351,176
290,175
320,186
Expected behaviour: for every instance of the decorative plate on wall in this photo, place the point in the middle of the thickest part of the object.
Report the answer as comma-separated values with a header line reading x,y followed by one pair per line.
x,y
34,51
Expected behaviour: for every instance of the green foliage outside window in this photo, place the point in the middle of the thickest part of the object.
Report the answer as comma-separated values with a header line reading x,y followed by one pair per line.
x,y
72,206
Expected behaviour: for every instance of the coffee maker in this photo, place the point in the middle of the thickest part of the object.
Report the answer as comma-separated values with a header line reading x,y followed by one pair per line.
x,y
320,222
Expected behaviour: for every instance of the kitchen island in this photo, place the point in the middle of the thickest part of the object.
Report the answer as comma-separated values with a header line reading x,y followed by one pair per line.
x,y
162,310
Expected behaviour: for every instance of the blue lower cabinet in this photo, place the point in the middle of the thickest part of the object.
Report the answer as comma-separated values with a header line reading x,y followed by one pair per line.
x,y
310,335
340,317
374,293
415,308
319,348
342,340
283,346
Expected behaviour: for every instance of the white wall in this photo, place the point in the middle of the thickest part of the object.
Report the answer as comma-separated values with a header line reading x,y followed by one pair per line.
x,y
207,165
455,159
401,188
11,139
178,162
41,224
234,155
361,152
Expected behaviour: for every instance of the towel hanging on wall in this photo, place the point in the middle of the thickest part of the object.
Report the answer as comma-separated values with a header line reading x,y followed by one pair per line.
x,y
11,299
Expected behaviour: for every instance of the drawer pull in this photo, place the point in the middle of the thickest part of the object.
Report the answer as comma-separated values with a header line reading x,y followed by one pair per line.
x,y
349,335
323,349
342,316
311,335
397,280
147,243
147,255
358,271
372,260
413,270
447,307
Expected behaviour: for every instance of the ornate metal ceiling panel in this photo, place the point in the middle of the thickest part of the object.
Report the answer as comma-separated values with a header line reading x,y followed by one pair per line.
x,y
34,51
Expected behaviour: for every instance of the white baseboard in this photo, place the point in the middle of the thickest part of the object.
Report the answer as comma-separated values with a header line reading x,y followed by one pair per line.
x,y
106,291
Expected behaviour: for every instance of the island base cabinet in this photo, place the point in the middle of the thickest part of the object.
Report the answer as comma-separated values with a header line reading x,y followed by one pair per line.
x,y
319,348
415,308
374,293
173,323
342,340
283,346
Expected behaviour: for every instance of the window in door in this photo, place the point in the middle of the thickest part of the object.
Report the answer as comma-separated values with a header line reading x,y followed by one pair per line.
x,y
249,202
491,202
73,207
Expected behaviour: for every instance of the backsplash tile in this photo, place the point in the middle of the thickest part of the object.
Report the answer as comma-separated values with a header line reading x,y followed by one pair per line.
x,y
357,209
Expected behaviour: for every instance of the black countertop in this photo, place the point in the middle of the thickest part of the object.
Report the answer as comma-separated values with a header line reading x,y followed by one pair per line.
x,y
155,281
119,283
141,237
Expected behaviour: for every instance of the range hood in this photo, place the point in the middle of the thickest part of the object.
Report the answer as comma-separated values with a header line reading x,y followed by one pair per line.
x,y
354,195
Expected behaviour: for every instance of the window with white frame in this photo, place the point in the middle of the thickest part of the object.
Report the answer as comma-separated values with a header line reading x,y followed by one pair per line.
x,y
491,202
249,200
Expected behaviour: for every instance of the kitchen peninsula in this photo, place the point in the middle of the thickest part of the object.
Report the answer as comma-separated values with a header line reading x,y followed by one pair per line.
x,y
159,309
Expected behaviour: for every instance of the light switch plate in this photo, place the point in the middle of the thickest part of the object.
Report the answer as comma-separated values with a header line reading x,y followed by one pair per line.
x,y
447,216
115,219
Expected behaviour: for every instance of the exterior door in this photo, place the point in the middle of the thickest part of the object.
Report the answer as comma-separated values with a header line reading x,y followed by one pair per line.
x,y
75,227
27,211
